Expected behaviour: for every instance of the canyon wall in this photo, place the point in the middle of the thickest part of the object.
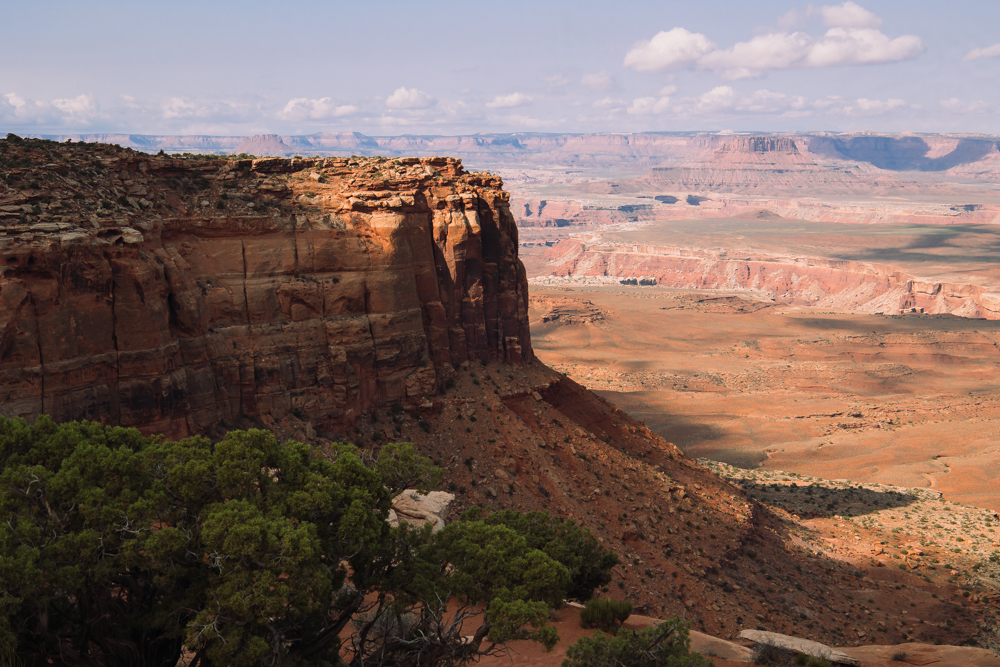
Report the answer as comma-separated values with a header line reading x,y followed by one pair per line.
x,y
180,295
825,283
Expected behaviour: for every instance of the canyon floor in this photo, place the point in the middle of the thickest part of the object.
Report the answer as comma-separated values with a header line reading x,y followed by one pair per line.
x,y
909,400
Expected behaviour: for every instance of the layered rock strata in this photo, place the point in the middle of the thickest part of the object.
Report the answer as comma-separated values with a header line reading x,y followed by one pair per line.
x,y
180,294
814,281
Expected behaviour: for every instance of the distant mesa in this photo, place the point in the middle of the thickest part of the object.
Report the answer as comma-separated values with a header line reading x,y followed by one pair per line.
x,y
263,144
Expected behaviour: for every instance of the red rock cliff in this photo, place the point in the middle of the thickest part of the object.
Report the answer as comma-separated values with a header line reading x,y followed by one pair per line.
x,y
180,294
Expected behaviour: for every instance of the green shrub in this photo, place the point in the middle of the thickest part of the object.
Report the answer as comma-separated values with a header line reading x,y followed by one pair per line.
x,y
811,660
130,550
605,614
769,654
663,645
589,563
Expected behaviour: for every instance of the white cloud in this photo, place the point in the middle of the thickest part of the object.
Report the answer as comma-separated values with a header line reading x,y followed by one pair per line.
x,y
178,107
646,106
849,15
834,105
773,51
16,101
958,106
303,108
766,101
988,52
509,101
607,103
861,46
409,98
852,39
670,49
599,81
864,105
838,47
80,110
717,99
81,105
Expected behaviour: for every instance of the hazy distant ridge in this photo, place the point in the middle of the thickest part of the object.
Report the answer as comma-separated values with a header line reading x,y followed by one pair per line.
x,y
893,152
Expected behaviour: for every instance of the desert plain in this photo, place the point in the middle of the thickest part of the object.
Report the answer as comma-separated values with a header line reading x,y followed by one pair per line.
x,y
784,307
909,400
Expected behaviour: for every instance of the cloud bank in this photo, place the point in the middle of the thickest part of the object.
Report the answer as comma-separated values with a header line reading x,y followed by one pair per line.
x,y
853,38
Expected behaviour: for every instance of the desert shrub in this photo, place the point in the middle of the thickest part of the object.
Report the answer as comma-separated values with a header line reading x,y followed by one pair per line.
x,y
769,654
607,615
665,645
122,549
589,563
811,660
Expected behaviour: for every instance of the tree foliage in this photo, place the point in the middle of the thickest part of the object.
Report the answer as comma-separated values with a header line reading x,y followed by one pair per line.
x,y
120,549
665,645
589,564
608,615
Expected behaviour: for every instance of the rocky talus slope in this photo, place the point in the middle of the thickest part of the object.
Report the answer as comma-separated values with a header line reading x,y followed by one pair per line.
x,y
378,300
177,295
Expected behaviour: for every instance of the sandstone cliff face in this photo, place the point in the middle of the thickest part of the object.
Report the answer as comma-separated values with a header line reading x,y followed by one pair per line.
x,y
177,295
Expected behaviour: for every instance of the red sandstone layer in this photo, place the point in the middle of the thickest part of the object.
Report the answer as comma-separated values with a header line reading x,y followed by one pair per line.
x,y
177,295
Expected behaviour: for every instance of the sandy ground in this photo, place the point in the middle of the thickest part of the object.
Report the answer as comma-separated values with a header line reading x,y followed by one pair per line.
x,y
904,400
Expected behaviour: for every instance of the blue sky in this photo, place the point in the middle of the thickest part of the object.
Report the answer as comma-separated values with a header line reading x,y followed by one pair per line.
x,y
435,67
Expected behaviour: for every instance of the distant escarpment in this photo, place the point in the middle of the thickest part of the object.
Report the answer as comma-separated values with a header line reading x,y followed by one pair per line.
x,y
762,164
182,295
814,281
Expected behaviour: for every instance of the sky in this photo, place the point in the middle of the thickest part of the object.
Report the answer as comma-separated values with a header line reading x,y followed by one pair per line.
x,y
387,67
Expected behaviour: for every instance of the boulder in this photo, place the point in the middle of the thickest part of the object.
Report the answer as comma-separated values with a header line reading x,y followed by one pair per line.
x,y
798,645
418,509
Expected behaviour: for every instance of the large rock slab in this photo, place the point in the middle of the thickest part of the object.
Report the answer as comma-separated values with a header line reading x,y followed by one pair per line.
x,y
710,646
925,654
799,645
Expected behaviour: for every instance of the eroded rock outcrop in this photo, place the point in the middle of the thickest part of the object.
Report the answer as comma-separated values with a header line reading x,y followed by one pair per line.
x,y
180,294
814,281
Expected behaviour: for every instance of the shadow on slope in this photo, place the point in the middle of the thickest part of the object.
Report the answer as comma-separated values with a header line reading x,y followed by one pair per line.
x,y
816,501
900,153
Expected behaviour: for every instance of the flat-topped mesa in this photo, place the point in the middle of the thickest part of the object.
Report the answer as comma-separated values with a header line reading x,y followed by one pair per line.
x,y
178,295
759,144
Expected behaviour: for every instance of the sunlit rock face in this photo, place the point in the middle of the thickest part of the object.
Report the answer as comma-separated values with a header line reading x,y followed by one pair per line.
x,y
177,295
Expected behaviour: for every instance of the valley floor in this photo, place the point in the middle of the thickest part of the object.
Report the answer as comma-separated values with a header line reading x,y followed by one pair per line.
x,y
904,400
